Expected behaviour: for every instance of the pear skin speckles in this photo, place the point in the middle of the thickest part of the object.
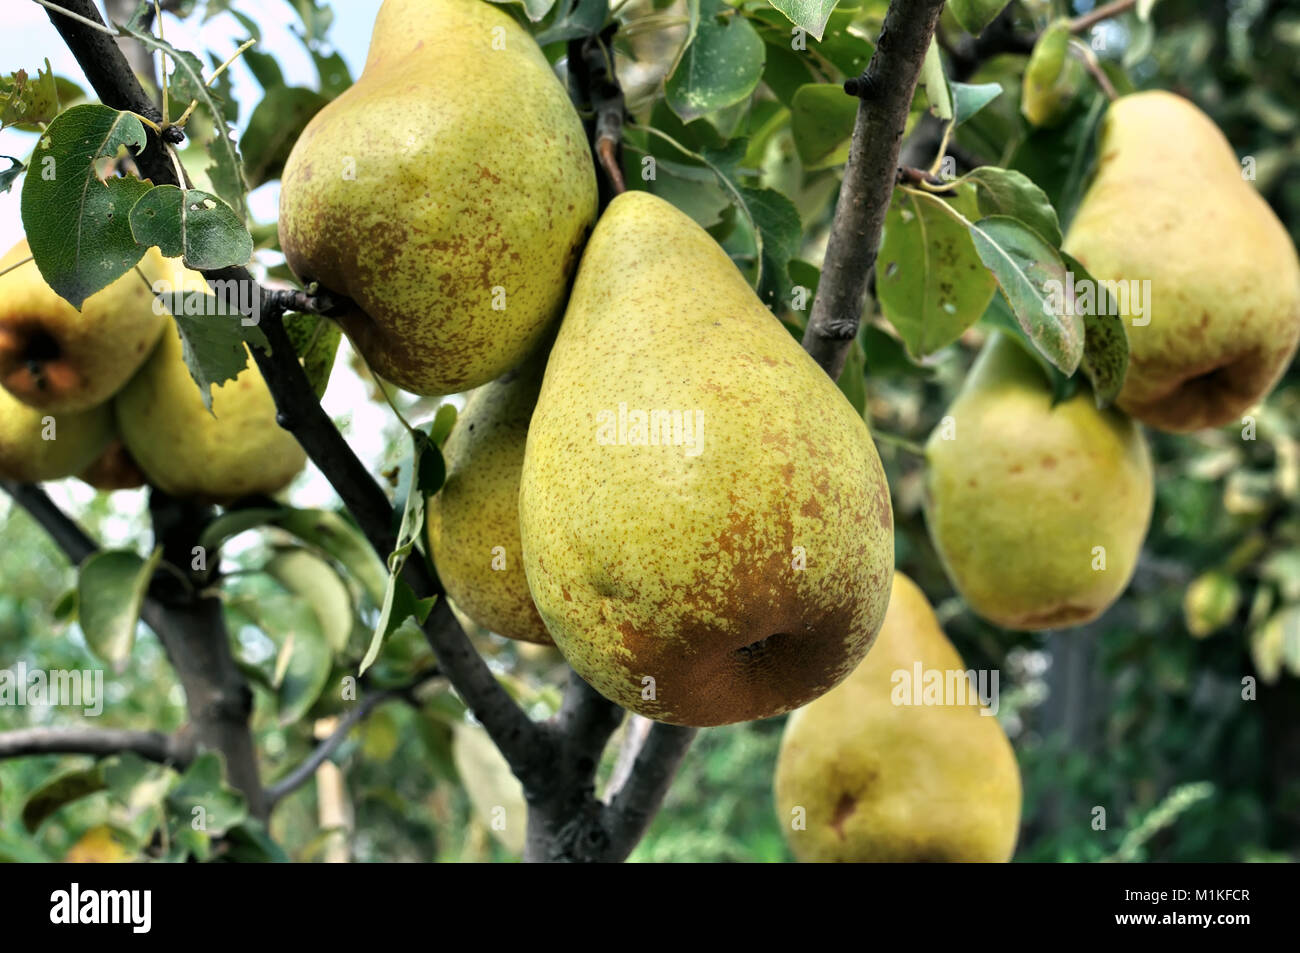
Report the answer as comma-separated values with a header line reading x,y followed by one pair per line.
x,y
1037,511
730,576
446,193
873,780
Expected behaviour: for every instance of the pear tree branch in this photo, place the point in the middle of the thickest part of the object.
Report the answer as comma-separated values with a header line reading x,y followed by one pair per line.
x,y
190,626
176,750
304,771
300,412
556,761
884,91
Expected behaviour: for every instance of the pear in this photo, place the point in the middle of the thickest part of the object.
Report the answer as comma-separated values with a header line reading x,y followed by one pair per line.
x,y
866,774
236,450
37,445
447,193
57,358
114,469
1037,511
707,530
1169,204
473,521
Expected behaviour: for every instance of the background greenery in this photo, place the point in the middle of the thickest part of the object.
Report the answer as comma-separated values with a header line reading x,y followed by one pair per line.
x,y
1133,714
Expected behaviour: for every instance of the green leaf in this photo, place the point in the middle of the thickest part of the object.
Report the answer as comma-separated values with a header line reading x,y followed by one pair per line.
x,y
398,598
110,589
192,225
722,65
968,98
265,68
1144,9
56,792
1024,264
24,101
581,18
88,245
233,522
186,84
213,348
810,15
777,221
202,801
1105,339
935,84
275,125
821,121
332,74
315,582
930,281
339,539
974,15
1011,193
316,341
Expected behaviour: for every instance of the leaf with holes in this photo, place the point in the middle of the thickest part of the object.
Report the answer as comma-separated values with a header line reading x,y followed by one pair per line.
x,y
930,281
1027,270
722,65
88,245
185,85
191,225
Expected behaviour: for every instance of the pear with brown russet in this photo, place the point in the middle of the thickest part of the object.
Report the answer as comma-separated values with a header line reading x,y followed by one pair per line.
x,y
473,521
57,358
1038,510
1170,206
447,193
881,769
706,526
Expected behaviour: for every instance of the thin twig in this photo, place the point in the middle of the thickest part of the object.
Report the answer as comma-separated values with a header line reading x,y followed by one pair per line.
x,y
177,750
303,772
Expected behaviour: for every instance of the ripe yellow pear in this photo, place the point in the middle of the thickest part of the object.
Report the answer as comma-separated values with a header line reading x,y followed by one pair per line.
x,y
1037,511
707,530
57,358
38,445
447,193
870,775
473,521
237,450
1169,204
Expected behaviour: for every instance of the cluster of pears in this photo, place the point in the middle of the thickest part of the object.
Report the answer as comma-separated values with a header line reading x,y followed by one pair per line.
x,y
1038,510
675,494
104,393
